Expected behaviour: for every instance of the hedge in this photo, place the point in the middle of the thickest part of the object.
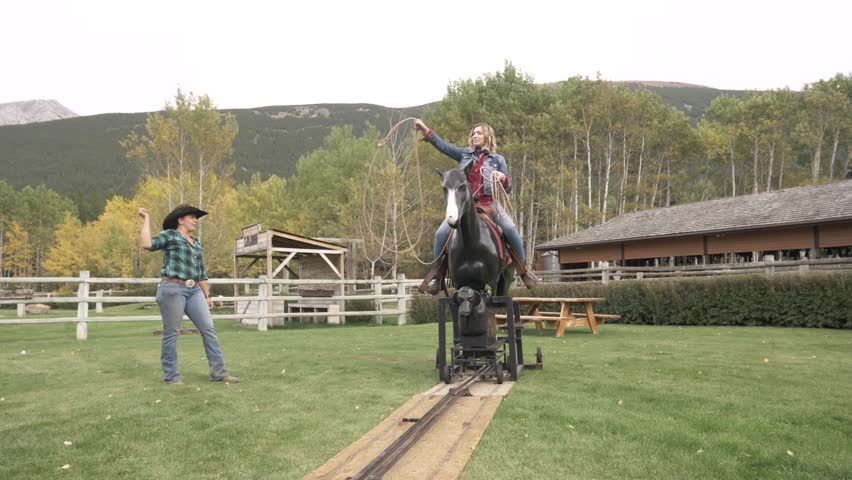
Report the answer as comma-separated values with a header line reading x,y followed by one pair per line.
x,y
813,300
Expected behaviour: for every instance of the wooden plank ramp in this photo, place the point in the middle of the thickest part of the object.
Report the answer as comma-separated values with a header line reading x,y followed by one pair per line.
x,y
442,452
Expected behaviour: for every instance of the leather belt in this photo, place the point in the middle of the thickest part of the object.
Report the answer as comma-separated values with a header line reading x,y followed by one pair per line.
x,y
189,283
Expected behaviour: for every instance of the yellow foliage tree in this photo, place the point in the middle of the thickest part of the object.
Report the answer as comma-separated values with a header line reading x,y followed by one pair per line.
x,y
67,255
18,252
114,239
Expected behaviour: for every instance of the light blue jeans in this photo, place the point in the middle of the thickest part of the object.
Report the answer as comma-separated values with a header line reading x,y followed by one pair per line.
x,y
500,217
174,300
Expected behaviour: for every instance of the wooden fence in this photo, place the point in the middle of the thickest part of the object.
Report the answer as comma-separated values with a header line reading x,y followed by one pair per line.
x,y
397,291
606,274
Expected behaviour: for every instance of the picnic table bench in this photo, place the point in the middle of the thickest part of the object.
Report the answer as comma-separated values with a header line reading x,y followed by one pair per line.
x,y
564,317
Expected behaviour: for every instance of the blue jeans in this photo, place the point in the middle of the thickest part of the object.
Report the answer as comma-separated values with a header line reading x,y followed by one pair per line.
x,y
500,217
174,300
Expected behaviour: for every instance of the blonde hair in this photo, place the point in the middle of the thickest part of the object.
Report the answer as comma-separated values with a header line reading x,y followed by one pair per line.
x,y
488,133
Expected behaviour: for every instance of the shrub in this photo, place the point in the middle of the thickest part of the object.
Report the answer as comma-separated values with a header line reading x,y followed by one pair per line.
x,y
813,300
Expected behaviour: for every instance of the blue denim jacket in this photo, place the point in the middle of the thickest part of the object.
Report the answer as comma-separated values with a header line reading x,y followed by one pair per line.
x,y
465,156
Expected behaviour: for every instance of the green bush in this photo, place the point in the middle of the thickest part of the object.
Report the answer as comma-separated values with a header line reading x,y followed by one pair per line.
x,y
813,300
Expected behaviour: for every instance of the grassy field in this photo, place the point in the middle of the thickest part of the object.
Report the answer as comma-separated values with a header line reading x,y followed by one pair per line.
x,y
634,402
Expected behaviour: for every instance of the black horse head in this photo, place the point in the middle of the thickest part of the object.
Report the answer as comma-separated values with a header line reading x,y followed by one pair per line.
x,y
456,193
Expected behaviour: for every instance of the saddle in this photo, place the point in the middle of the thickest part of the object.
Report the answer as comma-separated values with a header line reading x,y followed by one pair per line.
x,y
440,268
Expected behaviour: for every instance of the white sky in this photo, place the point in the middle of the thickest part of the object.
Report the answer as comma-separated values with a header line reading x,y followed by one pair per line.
x,y
121,56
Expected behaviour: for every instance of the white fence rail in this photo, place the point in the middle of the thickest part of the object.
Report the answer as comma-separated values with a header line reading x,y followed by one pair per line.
x,y
398,291
606,274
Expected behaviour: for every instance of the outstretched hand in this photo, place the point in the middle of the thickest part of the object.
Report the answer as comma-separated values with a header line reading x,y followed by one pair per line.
x,y
142,212
419,125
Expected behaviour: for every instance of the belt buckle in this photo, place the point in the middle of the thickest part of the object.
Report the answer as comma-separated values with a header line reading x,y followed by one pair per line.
x,y
189,283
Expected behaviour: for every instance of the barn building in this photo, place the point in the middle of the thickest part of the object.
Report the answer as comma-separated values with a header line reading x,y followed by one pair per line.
x,y
790,224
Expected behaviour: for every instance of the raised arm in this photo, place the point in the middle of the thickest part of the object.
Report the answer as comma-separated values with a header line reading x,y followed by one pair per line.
x,y
442,146
145,235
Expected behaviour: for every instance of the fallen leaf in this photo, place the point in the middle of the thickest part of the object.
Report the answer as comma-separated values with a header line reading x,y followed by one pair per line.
x,y
23,352
790,453
357,407
157,401
700,451
197,389
108,417
65,467
2,399
571,426
765,360
67,443
621,402
746,455
283,370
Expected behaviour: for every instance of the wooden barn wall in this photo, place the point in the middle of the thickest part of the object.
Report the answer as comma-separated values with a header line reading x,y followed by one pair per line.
x,y
761,240
588,253
664,247
835,235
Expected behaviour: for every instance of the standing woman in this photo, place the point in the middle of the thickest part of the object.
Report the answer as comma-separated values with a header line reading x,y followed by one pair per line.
x,y
488,168
183,289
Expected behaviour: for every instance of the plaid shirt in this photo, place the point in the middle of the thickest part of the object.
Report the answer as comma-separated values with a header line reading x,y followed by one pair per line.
x,y
180,259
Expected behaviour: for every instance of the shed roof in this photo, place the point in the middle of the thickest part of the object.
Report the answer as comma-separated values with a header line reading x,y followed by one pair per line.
x,y
791,206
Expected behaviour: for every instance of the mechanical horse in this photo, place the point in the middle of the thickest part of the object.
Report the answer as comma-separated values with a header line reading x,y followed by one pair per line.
x,y
480,268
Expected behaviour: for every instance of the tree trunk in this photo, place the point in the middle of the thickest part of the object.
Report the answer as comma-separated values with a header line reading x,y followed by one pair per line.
x,y
781,167
756,161
625,170
833,154
639,169
605,193
733,173
576,186
771,161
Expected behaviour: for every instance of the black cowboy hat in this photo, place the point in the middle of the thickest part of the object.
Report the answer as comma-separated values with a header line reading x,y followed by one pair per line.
x,y
171,220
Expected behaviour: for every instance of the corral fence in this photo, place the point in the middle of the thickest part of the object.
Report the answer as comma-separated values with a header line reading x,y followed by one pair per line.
x,y
398,292
606,273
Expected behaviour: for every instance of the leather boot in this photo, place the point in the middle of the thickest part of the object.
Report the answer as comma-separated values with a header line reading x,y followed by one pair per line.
x,y
529,279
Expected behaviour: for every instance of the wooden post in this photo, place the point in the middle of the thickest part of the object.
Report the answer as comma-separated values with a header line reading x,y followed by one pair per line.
x,y
99,306
640,275
377,291
401,304
22,310
769,270
604,272
803,269
83,306
262,304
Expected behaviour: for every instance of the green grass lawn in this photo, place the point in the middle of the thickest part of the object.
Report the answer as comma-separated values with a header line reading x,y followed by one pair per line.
x,y
635,402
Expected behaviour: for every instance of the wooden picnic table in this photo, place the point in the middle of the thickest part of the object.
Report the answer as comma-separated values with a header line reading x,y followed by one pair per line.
x,y
564,317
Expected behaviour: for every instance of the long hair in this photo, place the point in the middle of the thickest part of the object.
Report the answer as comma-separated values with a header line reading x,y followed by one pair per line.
x,y
488,132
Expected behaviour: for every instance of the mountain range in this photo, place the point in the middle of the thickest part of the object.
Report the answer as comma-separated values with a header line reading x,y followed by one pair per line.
x,y
81,158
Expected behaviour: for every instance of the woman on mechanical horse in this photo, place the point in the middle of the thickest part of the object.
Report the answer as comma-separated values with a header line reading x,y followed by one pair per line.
x,y
488,167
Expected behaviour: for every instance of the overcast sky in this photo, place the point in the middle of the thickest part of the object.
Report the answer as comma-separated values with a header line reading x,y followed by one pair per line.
x,y
119,56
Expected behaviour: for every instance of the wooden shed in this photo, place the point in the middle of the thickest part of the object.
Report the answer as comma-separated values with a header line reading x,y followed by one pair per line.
x,y
290,256
790,224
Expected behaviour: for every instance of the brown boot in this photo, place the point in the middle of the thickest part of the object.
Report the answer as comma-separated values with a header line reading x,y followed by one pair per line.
x,y
529,279
434,288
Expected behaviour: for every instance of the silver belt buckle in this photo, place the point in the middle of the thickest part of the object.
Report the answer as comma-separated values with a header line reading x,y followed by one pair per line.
x,y
189,283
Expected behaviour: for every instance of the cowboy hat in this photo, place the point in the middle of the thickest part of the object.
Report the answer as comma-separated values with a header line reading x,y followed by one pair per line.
x,y
171,220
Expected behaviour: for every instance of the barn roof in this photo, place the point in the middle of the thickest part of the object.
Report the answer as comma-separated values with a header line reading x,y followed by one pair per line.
x,y
787,207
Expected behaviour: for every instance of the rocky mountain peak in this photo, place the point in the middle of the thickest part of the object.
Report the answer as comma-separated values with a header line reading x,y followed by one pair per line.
x,y
32,111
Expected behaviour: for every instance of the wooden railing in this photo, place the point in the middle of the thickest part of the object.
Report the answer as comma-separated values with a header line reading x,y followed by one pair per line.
x,y
394,290
606,274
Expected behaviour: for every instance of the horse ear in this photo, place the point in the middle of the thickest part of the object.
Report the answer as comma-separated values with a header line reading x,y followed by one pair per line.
x,y
456,297
441,173
477,297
